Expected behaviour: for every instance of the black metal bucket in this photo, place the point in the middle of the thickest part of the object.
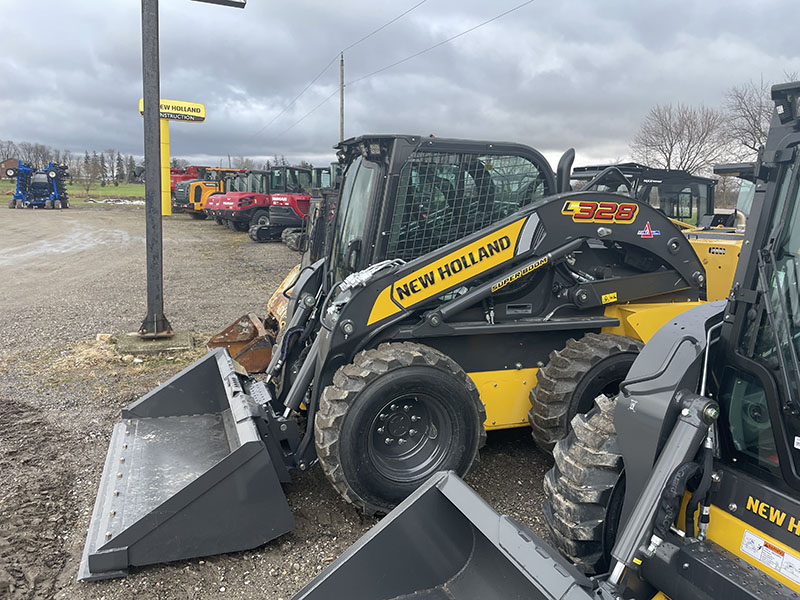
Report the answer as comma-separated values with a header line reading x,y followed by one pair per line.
x,y
189,472
445,542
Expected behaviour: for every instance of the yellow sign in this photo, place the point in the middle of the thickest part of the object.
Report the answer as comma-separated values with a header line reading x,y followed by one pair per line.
x,y
178,110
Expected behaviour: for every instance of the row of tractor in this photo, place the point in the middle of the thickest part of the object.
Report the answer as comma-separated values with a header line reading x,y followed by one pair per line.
x,y
269,204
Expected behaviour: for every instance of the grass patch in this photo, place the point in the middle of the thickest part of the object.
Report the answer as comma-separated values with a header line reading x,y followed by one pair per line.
x,y
77,193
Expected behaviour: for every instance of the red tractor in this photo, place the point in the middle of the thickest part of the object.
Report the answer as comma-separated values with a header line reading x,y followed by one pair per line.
x,y
268,201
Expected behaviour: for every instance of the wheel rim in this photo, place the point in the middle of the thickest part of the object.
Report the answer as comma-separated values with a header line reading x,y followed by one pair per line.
x,y
409,437
263,220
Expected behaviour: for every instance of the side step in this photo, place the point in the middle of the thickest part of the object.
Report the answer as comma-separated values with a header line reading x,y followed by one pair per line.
x,y
444,542
188,473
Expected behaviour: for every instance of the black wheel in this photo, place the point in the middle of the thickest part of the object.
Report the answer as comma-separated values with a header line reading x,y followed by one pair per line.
x,y
230,225
52,173
48,204
294,241
260,217
11,203
219,220
573,377
199,215
585,490
11,172
20,204
57,204
65,203
287,232
396,415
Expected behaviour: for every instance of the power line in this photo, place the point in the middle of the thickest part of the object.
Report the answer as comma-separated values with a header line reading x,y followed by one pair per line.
x,y
406,59
384,26
353,45
442,43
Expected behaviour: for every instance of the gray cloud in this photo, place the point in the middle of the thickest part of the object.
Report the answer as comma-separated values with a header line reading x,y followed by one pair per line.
x,y
553,74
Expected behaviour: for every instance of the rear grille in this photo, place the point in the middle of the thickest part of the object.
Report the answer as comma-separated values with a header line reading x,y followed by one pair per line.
x,y
181,194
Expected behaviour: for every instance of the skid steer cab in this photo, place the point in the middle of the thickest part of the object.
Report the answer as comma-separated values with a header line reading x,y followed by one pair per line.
x,y
454,271
683,485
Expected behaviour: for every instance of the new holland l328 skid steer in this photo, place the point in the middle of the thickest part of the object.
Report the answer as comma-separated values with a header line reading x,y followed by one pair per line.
x,y
454,270
684,485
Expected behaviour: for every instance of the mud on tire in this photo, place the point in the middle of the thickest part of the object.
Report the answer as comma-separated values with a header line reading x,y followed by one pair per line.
x,y
585,489
568,384
396,391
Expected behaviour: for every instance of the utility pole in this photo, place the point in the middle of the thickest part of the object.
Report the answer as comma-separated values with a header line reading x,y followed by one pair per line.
x,y
155,324
341,97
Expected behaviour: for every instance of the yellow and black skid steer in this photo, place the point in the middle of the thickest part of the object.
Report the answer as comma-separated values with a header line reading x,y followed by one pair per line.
x,y
454,270
684,485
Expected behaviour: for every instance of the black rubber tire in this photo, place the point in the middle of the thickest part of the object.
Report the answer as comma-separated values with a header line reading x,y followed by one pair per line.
x,y
568,384
48,204
20,204
57,204
293,240
12,172
241,226
65,203
229,224
394,380
585,489
260,217
287,232
219,220
198,215
12,203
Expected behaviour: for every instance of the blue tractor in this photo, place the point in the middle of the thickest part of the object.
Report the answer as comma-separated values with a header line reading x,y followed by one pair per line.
x,y
42,188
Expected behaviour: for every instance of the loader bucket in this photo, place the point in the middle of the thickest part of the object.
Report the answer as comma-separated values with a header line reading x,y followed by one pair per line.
x,y
191,471
247,341
445,542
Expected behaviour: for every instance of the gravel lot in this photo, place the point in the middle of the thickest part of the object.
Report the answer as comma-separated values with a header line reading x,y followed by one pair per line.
x,y
70,275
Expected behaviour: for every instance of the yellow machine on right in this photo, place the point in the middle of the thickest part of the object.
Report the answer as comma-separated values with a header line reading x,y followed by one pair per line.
x,y
686,484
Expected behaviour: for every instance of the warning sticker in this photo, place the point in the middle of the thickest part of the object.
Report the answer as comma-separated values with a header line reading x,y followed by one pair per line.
x,y
770,555
609,298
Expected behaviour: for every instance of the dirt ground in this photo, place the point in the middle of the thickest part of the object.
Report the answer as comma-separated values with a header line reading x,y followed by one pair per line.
x,y
69,275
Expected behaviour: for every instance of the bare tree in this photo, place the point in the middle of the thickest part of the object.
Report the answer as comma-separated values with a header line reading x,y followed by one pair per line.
x,y
178,163
681,137
8,149
749,109
242,162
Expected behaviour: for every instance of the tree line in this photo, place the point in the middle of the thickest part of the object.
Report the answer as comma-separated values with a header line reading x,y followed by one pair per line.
x,y
108,167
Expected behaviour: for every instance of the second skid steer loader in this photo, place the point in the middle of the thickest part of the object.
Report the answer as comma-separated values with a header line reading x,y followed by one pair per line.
x,y
684,486
453,271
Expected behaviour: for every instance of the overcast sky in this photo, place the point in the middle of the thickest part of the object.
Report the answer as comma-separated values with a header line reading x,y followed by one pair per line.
x,y
553,74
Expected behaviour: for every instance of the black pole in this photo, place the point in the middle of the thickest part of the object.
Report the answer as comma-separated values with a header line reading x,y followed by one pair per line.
x,y
155,324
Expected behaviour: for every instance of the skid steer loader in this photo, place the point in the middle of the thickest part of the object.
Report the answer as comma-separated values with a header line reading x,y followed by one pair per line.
x,y
684,485
453,271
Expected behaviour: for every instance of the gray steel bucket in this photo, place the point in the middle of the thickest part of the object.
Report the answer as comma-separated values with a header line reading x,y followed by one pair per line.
x,y
188,473
445,542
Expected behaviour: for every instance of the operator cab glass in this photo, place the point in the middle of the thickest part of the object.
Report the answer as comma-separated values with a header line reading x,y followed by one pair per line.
x,y
357,191
443,197
761,424
678,201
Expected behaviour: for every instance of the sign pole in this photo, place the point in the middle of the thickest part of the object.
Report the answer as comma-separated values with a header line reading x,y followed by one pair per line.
x,y
155,324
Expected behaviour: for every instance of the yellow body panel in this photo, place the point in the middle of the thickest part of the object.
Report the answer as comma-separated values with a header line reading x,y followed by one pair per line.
x,y
208,188
719,257
641,321
505,395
